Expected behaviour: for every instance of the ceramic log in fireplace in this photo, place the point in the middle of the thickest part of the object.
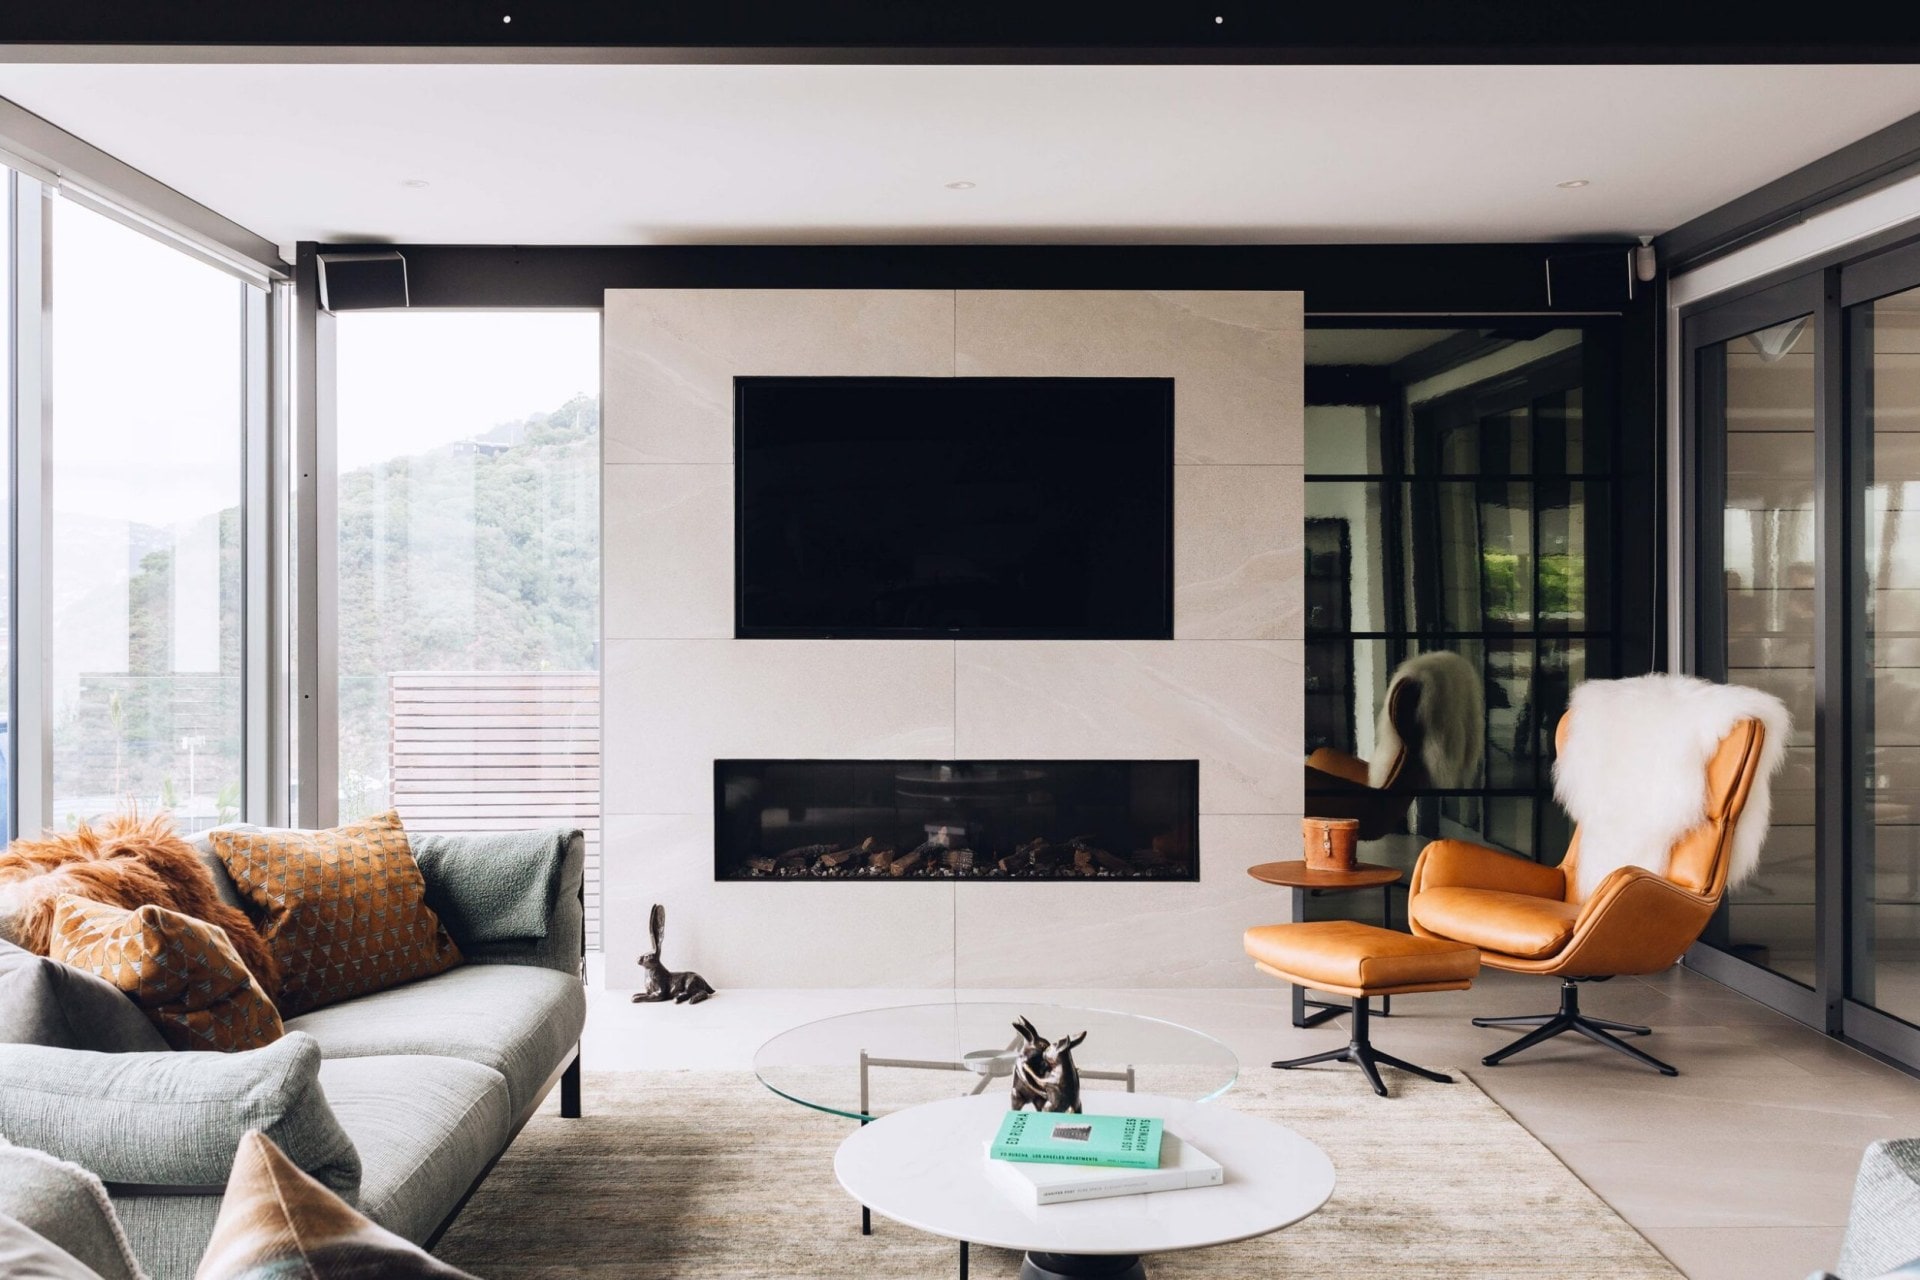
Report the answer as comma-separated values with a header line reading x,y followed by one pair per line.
x,y
899,820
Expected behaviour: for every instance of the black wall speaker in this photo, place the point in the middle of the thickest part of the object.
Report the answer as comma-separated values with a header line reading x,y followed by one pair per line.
x,y
362,281
1599,279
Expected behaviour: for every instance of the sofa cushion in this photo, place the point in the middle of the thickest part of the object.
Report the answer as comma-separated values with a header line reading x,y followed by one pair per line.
x,y
1514,924
66,1205
497,886
520,1021
561,948
45,1002
173,1119
276,1223
1883,1224
25,1254
168,1233
425,1128
182,972
344,911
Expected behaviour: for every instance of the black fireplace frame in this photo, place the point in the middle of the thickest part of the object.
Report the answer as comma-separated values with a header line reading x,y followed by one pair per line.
x,y
1191,781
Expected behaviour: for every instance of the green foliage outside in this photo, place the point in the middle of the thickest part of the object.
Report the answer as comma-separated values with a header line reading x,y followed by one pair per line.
x,y
1562,587
477,556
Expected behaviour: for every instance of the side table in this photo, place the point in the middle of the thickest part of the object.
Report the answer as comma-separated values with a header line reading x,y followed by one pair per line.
x,y
1300,880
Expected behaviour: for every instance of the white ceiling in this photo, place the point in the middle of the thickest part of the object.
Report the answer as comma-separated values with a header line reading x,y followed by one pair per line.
x,y
686,154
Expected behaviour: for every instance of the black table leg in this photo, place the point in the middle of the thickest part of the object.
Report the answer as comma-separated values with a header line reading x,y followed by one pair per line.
x,y
866,1214
963,1260
1297,912
1386,922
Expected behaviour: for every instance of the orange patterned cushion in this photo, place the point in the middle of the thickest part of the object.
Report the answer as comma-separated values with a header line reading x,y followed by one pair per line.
x,y
182,972
343,911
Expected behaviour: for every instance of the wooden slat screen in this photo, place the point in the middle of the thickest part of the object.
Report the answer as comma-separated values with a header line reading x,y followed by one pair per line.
x,y
499,751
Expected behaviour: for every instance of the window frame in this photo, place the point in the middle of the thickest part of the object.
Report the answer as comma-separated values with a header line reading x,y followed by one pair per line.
x,y
1825,288
29,245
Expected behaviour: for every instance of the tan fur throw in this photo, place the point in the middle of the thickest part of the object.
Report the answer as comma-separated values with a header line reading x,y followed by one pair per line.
x,y
127,861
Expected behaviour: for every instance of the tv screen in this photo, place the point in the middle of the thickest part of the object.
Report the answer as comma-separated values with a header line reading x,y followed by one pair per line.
x,y
1036,508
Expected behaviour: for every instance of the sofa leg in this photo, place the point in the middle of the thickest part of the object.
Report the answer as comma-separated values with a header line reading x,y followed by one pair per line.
x,y
570,1089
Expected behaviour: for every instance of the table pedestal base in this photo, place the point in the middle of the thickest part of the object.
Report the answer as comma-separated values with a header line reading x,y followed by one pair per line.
x,y
1078,1266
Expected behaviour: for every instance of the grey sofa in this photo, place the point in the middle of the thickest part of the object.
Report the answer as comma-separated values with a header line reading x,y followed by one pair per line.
x,y
1883,1223
401,1100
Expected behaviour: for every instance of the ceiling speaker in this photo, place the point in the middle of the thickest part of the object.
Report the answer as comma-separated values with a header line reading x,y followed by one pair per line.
x,y
362,281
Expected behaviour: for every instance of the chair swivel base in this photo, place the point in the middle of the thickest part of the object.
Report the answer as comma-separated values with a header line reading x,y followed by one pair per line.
x,y
1361,1053
1569,1018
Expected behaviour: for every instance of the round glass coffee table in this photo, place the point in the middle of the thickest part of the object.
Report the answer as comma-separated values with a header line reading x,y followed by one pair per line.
x,y
872,1063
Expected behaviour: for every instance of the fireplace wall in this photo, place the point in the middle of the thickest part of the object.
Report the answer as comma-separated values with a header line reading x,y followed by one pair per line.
x,y
681,693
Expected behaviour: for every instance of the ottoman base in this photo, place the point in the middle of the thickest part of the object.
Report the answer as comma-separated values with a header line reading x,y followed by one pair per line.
x,y
1360,1051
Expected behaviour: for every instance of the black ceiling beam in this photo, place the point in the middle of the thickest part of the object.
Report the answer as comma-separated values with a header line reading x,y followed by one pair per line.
x,y
1882,157
1007,31
1446,280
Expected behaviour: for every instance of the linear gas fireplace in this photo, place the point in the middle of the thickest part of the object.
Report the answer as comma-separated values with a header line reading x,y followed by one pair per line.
x,y
899,820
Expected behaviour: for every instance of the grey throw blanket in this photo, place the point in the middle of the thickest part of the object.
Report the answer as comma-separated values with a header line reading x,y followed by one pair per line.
x,y
495,886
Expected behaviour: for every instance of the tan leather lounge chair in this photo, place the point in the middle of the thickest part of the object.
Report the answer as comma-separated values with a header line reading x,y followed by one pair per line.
x,y
1524,917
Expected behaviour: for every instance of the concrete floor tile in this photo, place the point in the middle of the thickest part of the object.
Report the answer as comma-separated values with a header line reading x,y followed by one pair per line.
x,y
1748,1253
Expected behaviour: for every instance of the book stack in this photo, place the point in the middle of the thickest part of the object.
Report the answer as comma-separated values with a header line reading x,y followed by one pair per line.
x,y
1046,1158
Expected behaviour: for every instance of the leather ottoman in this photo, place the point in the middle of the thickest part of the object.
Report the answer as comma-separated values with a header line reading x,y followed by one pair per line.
x,y
1361,961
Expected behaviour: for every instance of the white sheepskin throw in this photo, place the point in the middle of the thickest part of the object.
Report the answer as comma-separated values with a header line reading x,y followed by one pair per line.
x,y
1634,771
1451,715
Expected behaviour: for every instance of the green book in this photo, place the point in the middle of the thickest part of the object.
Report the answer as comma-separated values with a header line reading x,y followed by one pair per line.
x,y
1053,1137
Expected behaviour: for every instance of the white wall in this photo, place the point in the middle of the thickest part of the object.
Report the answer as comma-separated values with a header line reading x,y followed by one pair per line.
x,y
680,691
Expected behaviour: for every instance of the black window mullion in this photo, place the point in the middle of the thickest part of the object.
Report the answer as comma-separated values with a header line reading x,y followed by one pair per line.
x,y
1834,553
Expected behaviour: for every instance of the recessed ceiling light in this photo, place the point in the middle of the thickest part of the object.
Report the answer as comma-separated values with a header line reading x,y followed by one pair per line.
x,y
413,182
960,186
1572,184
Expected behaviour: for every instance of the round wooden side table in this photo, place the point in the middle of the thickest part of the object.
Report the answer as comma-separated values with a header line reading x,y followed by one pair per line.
x,y
1301,880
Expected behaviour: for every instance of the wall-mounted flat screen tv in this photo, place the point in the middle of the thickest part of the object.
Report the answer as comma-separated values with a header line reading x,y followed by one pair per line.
x,y
1003,508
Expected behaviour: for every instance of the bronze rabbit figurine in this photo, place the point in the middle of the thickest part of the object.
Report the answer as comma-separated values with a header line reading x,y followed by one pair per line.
x,y
685,987
1045,1075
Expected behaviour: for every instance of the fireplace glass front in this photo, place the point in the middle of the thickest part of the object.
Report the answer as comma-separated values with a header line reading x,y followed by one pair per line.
x,y
899,820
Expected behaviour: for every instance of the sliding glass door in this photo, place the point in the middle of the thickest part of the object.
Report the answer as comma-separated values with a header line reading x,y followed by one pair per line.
x,y
1758,382
1882,317
1804,459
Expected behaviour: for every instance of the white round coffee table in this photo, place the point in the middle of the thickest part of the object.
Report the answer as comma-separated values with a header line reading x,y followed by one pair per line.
x,y
925,1167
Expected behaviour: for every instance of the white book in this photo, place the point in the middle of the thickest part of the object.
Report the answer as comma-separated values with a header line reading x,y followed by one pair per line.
x,y
1182,1165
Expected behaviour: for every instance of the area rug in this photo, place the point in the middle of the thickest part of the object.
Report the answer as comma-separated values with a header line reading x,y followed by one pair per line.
x,y
677,1174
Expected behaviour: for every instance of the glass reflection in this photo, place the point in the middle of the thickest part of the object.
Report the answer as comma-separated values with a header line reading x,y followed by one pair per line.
x,y
1768,563
1886,971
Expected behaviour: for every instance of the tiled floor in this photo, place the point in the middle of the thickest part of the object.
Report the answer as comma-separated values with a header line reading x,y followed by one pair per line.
x,y
1738,1169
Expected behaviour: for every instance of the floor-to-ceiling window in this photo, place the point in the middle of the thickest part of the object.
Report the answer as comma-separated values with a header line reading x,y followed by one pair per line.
x,y
1884,340
1803,430
7,251
467,626
146,438
1755,372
